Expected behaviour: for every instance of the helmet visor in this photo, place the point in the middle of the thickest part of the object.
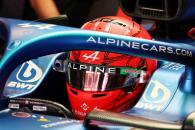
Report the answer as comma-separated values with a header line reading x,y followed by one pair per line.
x,y
87,77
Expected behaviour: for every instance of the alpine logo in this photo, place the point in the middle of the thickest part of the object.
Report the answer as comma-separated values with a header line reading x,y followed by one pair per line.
x,y
38,26
93,56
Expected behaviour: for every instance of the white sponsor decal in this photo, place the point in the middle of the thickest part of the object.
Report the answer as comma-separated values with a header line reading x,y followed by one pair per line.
x,y
14,105
38,26
91,68
25,74
149,106
140,46
20,85
54,124
39,108
93,56
84,106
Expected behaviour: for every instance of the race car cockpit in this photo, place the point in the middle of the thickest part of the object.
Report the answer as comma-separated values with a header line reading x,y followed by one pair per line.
x,y
108,71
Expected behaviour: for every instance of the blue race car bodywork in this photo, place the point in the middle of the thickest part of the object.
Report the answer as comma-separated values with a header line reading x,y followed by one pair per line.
x,y
168,96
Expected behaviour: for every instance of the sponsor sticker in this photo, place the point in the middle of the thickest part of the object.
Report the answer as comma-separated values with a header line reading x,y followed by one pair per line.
x,y
14,105
130,71
161,48
59,123
160,90
159,93
29,72
21,114
42,119
84,106
39,108
14,44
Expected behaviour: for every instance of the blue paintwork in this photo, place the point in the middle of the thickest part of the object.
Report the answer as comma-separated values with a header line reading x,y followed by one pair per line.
x,y
171,101
59,41
160,90
35,122
40,122
18,84
164,98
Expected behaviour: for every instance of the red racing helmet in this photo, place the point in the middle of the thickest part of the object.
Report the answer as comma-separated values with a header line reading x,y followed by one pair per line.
x,y
105,80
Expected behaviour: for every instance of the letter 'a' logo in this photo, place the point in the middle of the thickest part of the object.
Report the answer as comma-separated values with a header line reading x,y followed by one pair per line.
x,y
158,94
29,72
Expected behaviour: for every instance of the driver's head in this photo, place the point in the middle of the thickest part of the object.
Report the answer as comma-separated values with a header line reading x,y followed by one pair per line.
x,y
106,80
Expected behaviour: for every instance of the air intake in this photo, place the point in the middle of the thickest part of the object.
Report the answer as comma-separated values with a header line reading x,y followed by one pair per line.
x,y
152,9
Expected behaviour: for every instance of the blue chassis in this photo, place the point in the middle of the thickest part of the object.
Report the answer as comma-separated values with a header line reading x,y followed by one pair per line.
x,y
167,100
